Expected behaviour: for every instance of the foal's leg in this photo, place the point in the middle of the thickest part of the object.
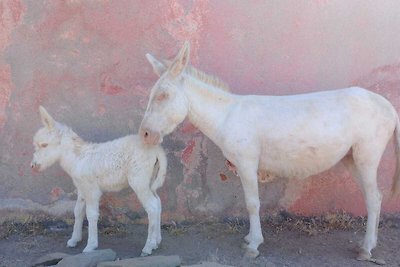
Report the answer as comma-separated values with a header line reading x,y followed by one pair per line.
x,y
92,214
158,228
79,213
151,205
248,177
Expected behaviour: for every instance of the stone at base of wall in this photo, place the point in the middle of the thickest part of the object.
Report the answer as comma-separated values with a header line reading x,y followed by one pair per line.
x,y
12,206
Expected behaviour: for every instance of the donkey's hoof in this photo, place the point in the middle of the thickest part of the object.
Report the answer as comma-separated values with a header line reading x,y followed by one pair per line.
x,y
251,253
370,259
363,255
378,261
247,238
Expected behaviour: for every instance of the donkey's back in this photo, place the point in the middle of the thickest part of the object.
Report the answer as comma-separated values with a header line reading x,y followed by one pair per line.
x,y
321,109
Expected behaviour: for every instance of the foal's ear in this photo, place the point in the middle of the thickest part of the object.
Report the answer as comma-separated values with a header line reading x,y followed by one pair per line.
x,y
47,120
158,67
181,61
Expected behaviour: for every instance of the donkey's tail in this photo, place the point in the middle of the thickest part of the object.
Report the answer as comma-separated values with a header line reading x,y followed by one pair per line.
x,y
160,169
396,178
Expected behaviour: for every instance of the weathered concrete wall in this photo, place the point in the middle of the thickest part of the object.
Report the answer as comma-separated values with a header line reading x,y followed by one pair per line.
x,y
84,61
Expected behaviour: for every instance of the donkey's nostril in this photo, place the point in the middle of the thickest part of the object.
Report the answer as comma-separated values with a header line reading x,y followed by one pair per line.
x,y
35,167
146,134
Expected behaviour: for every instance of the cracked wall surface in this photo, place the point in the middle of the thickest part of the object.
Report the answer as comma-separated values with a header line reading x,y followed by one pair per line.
x,y
85,62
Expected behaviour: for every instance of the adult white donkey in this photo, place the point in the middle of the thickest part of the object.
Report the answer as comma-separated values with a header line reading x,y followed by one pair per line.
x,y
104,167
287,136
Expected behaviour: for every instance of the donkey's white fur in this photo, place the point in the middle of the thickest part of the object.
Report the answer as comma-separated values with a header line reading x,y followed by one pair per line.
x,y
287,136
105,167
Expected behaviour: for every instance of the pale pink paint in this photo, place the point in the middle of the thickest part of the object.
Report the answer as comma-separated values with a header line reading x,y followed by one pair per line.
x,y
85,62
11,12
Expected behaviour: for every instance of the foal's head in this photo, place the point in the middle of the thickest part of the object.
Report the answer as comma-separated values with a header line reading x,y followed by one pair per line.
x,y
167,105
47,142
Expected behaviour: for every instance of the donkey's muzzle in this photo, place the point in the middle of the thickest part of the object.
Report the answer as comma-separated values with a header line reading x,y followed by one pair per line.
x,y
35,166
149,137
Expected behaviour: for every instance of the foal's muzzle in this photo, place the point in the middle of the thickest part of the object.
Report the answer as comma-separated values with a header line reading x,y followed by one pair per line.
x,y
149,137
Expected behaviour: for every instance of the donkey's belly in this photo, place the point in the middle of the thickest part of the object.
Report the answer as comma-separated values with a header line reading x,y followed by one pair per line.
x,y
302,163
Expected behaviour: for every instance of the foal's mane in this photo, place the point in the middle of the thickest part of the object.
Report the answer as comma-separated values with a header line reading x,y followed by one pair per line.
x,y
207,78
76,139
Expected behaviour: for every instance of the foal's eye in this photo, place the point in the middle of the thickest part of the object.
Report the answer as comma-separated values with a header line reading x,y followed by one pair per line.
x,y
162,96
43,145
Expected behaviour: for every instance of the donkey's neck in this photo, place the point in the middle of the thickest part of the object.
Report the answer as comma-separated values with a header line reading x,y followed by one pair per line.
x,y
208,106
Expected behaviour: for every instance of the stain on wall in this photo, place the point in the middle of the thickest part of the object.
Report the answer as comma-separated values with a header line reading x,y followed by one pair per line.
x,y
85,62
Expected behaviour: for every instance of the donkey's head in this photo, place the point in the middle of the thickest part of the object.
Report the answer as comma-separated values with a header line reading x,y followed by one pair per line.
x,y
47,142
168,105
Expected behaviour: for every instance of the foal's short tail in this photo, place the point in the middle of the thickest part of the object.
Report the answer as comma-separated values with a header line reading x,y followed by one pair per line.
x,y
396,178
160,169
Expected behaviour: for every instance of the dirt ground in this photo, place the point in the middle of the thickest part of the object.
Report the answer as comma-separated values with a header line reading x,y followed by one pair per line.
x,y
288,242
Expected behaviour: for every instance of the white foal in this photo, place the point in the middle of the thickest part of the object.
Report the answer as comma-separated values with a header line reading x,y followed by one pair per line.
x,y
104,167
284,136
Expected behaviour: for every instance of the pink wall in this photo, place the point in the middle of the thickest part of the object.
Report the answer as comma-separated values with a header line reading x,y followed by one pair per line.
x,y
84,61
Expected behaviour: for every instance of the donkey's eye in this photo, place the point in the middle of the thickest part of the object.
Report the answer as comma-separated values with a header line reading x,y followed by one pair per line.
x,y
162,97
43,145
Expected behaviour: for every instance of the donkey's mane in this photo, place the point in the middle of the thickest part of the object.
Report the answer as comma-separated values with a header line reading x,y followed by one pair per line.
x,y
207,78
202,76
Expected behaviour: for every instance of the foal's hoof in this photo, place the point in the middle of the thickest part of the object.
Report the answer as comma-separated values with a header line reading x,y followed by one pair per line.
x,y
72,243
89,248
251,253
144,254
244,245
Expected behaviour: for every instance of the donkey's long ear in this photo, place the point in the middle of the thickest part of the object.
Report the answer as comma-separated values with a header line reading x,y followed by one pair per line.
x,y
181,61
158,67
47,120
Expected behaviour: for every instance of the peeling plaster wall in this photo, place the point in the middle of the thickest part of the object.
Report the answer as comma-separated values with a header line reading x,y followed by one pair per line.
x,y
84,61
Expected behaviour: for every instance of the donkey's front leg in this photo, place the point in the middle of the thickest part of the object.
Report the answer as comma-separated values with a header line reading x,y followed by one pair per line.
x,y
92,214
79,213
248,177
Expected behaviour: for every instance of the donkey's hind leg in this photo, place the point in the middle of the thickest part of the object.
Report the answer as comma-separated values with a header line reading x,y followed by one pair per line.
x,y
364,167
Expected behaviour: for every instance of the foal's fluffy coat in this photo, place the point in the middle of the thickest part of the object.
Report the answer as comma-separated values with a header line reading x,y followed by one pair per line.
x,y
104,167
